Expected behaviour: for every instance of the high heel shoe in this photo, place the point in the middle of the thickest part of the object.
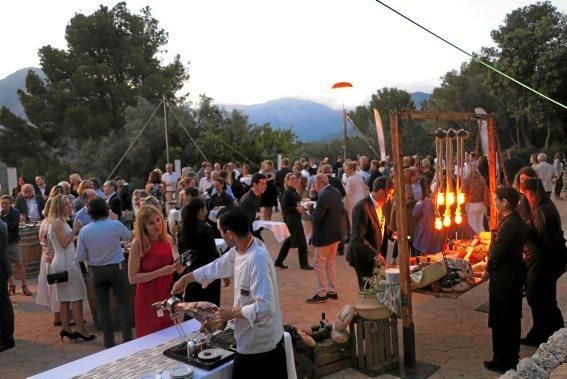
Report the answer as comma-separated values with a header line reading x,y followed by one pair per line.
x,y
64,333
26,291
83,337
11,289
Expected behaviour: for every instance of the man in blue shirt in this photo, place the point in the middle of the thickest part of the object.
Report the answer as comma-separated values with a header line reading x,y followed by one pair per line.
x,y
100,246
83,214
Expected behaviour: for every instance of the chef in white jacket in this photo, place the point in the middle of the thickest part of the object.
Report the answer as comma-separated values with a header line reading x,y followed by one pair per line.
x,y
258,322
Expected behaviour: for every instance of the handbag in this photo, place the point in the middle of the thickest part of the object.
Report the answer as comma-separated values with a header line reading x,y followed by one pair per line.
x,y
58,277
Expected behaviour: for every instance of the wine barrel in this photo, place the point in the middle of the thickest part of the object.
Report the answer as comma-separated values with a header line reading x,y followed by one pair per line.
x,y
31,249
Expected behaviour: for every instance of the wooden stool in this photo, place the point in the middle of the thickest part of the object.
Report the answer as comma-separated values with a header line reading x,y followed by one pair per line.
x,y
323,359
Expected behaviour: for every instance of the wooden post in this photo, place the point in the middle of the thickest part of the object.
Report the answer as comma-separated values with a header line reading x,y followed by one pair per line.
x,y
403,246
492,171
344,135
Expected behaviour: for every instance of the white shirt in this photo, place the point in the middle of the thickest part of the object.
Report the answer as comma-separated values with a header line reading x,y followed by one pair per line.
x,y
33,210
364,175
305,173
255,293
172,179
205,184
545,173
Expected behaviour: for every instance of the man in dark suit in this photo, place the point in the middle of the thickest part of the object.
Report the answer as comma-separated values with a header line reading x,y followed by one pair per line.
x,y
124,192
250,201
42,188
7,313
338,184
369,235
327,233
112,198
280,176
30,204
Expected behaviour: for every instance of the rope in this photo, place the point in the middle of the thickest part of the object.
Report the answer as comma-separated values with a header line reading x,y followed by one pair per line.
x,y
362,135
135,139
186,132
474,57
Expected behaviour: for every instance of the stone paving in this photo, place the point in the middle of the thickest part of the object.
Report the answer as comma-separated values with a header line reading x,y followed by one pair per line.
x,y
448,332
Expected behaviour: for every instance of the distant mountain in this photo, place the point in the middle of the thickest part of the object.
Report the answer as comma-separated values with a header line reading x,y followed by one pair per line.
x,y
9,87
309,120
419,97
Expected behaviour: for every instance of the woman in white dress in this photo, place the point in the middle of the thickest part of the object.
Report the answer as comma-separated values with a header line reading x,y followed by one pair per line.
x,y
73,291
354,187
45,292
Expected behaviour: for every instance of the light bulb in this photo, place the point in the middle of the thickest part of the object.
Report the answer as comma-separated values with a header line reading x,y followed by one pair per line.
x,y
458,219
438,223
461,198
446,221
451,198
440,198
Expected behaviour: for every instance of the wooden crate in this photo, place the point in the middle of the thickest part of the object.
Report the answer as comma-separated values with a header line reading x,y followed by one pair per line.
x,y
376,345
325,358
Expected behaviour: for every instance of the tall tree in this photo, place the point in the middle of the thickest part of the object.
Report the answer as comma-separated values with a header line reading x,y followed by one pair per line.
x,y
111,59
531,48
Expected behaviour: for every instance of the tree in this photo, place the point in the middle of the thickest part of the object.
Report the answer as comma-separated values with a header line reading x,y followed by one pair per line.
x,y
531,48
111,60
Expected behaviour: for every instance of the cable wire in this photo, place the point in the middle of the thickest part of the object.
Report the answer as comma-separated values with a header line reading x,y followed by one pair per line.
x,y
135,139
189,135
487,65
362,135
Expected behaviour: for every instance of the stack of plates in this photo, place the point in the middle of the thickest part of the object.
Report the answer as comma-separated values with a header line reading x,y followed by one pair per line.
x,y
392,275
180,371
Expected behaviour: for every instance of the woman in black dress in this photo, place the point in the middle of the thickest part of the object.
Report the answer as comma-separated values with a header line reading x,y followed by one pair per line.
x,y
291,211
545,256
197,236
269,198
506,270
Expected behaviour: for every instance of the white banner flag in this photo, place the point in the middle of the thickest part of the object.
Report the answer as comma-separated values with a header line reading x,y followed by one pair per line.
x,y
380,134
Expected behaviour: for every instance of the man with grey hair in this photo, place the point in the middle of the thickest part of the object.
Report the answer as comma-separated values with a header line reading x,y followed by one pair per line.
x,y
327,233
30,204
545,173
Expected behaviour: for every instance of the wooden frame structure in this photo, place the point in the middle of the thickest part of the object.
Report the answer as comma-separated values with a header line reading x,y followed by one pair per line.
x,y
401,215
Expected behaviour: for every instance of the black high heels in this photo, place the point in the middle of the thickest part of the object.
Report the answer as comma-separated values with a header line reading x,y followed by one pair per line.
x,y
64,333
80,335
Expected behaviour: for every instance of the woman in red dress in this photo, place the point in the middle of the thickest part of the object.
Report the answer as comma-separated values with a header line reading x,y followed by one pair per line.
x,y
150,267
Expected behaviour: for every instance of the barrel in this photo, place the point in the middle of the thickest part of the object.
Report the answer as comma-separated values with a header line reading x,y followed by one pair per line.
x,y
31,249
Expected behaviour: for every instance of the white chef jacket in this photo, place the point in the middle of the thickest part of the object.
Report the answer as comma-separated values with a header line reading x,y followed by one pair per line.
x,y
255,293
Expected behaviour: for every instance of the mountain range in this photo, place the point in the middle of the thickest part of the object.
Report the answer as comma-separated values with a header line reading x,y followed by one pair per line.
x,y
309,120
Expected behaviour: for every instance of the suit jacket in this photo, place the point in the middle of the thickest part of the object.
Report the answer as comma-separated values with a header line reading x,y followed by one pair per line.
x,y
115,204
327,217
5,268
336,182
22,206
47,190
125,195
367,241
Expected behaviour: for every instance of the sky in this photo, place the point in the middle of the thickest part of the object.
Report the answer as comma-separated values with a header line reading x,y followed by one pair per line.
x,y
252,51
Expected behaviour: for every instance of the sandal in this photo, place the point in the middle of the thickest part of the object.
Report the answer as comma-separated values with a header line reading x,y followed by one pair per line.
x,y
26,291
12,289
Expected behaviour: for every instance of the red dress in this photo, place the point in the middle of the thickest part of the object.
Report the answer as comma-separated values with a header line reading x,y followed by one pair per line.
x,y
155,290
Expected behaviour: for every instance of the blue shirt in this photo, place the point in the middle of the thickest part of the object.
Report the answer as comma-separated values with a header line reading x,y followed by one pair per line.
x,y
83,216
99,242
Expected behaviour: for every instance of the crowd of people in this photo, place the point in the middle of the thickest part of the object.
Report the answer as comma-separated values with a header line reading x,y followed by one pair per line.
x,y
333,206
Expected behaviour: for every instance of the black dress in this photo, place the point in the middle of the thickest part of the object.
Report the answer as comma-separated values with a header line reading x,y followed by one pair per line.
x,y
270,197
290,199
545,259
507,274
196,235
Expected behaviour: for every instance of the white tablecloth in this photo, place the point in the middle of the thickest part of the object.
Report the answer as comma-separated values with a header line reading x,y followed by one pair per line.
x,y
101,358
280,230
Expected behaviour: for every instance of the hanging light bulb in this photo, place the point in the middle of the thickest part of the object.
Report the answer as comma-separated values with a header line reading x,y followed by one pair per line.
x,y
438,223
451,198
461,198
458,218
446,221
440,198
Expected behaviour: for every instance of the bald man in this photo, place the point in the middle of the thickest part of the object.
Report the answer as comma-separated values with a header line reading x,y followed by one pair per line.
x,y
30,204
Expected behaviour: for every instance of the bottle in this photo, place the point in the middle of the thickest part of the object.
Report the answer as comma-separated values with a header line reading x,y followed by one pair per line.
x,y
324,322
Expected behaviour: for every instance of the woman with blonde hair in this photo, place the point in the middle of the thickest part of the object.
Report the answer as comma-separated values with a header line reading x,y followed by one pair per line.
x,y
303,193
74,181
151,267
73,291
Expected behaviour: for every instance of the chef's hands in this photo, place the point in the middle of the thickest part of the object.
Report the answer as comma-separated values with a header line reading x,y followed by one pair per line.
x,y
179,286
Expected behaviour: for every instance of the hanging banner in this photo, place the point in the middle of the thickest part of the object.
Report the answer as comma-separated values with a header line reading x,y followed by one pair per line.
x,y
483,131
380,134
